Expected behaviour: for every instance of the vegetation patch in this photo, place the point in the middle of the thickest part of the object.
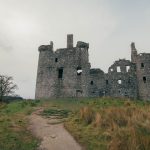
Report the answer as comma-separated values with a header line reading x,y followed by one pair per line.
x,y
57,113
14,134
96,123
107,125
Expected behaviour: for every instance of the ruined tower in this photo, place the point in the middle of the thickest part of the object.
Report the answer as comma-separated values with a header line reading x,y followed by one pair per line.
x,y
45,72
64,72
142,62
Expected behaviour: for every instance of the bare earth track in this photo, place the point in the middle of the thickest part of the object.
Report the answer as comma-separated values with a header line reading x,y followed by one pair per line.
x,y
53,136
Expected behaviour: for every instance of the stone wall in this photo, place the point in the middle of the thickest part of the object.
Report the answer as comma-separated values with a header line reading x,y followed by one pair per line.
x,y
121,80
67,72
63,73
96,83
143,75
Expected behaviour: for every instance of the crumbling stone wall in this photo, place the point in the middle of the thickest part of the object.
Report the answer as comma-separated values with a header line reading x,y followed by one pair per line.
x,y
64,72
121,80
142,62
96,83
143,75
67,72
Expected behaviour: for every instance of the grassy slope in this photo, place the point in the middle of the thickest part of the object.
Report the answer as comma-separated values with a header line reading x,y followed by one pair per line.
x,y
13,126
112,124
95,123
13,122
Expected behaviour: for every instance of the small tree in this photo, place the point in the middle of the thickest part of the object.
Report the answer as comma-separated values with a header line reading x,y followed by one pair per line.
x,y
7,86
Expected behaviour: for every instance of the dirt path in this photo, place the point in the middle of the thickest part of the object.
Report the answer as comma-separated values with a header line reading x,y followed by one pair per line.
x,y
53,136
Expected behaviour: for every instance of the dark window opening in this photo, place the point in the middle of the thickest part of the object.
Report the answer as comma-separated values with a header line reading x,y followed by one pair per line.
x,y
106,81
79,91
129,81
56,59
92,82
79,71
60,73
93,92
144,79
126,94
142,65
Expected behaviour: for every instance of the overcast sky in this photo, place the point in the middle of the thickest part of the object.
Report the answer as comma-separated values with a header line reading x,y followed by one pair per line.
x,y
108,25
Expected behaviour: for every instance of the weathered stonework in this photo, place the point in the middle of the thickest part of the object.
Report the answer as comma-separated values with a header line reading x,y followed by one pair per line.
x,y
121,80
142,62
67,73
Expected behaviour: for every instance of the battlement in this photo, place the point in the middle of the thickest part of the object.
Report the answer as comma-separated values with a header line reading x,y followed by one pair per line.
x,y
46,47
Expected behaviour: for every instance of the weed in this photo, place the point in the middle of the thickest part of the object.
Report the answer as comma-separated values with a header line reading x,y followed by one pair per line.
x,y
59,113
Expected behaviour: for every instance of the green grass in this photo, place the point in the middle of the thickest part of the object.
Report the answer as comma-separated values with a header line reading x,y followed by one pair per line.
x,y
96,123
59,113
13,126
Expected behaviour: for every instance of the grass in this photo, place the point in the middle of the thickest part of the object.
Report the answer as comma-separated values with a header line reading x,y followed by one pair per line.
x,y
108,124
13,126
96,123
58,113
14,134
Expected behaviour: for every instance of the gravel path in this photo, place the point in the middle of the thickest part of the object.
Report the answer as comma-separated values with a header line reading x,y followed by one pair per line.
x,y
53,136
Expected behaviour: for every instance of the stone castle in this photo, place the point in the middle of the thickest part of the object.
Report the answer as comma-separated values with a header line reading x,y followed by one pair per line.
x,y
67,72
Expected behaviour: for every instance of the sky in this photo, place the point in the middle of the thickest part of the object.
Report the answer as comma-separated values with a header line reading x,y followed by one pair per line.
x,y
109,26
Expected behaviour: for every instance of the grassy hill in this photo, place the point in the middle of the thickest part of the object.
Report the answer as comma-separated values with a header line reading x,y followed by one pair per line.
x,y
96,123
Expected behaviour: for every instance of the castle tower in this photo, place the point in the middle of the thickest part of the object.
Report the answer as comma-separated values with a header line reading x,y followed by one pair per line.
x,y
142,62
64,72
45,70
143,75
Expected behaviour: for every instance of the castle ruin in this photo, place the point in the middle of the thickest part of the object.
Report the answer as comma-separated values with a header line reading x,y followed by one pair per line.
x,y
67,72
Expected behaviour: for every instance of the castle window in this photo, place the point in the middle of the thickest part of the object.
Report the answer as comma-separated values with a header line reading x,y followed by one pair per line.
x,y
142,65
107,82
92,82
79,71
60,73
144,79
126,94
127,68
79,93
111,69
129,81
119,81
56,59
118,69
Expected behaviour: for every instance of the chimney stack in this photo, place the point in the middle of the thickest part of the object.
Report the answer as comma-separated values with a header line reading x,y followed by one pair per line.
x,y
133,46
69,40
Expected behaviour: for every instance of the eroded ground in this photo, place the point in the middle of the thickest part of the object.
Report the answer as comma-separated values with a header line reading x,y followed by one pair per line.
x,y
52,133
